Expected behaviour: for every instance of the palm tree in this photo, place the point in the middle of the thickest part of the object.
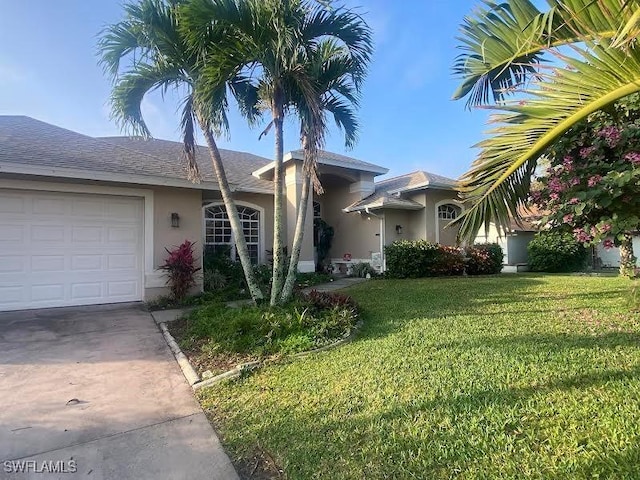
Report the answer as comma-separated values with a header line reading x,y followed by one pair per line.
x,y
274,39
338,83
595,61
151,43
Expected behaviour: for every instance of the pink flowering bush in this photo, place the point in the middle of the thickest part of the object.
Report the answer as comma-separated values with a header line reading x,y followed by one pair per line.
x,y
592,186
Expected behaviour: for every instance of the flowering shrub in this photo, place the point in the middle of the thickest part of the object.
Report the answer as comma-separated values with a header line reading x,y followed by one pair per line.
x,y
484,259
555,251
419,258
180,268
591,187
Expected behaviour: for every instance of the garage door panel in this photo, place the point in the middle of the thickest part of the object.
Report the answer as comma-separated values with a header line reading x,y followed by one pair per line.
x,y
48,263
91,234
12,233
47,234
69,249
12,264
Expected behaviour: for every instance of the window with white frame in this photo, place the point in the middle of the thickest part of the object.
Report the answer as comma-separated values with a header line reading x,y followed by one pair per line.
x,y
448,212
218,233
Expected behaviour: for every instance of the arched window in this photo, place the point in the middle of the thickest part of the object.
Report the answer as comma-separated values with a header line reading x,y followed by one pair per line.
x,y
447,212
218,230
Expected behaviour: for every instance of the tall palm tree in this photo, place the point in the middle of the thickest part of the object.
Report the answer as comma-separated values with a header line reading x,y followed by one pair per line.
x,y
595,61
338,83
150,42
274,39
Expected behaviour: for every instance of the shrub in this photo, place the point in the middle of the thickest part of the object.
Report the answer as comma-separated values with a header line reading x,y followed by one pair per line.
x,y
484,259
419,258
180,268
214,280
556,252
312,321
361,269
328,300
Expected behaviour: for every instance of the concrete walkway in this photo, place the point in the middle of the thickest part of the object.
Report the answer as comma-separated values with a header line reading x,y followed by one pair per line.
x,y
95,393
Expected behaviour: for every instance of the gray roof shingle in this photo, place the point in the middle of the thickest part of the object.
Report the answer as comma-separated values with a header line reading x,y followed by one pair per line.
x,y
26,143
387,192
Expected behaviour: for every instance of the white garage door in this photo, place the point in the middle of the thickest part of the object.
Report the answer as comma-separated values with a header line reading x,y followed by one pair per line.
x,y
59,249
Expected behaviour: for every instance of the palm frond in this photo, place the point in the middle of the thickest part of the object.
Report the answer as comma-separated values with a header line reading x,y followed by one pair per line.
x,y
503,44
498,181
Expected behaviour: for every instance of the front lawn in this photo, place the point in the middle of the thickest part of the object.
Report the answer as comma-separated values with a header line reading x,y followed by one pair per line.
x,y
526,376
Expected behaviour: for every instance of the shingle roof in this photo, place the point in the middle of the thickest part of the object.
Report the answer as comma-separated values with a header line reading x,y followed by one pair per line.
x,y
28,145
387,192
327,158
238,165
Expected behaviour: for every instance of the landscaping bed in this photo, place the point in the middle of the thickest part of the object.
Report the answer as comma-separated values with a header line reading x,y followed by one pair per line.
x,y
216,338
512,376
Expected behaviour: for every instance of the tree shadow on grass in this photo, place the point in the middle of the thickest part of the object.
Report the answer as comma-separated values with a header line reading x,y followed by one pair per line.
x,y
387,305
313,446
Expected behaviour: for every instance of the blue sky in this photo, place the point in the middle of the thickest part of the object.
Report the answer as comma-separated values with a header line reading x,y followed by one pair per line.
x,y
48,70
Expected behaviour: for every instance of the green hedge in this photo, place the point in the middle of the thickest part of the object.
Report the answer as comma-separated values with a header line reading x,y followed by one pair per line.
x,y
556,252
419,258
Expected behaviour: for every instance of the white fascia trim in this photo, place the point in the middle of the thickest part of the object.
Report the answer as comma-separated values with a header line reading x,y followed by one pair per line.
x,y
147,196
323,161
424,185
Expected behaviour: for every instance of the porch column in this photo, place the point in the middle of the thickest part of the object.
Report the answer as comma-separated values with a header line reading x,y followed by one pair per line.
x,y
293,191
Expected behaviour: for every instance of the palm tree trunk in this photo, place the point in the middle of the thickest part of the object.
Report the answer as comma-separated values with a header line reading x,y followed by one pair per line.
x,y
627,258
298,237
234,219
278,206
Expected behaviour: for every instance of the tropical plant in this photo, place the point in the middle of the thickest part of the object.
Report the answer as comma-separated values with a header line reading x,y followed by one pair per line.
x,y
147,51
338,77
273,41
592,185
180,267
506,47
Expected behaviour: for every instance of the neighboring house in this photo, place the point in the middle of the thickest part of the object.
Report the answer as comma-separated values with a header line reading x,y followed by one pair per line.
x,y
515,241
86,220
610,258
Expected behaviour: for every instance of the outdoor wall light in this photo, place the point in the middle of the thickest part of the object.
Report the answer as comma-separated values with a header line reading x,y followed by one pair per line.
x,y
399,229
175,220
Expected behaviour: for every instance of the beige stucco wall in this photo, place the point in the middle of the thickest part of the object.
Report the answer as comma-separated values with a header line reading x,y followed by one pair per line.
x,y
186,203
356,234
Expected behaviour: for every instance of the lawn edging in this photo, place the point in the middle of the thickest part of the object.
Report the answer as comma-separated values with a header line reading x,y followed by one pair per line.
x,y
196,382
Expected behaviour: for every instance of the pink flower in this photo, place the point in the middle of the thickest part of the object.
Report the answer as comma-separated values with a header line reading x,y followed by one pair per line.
x,y
605,227
574,201
555,185
581,236
608,244
554,196
594,180
574,181
586,151
567,162
633,157
568,218
611,136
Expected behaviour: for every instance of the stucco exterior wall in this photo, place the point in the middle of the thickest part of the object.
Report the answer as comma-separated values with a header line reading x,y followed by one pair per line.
x,y
186,203
356,234
433,199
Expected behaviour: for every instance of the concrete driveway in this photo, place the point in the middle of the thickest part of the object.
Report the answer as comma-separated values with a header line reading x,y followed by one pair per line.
x,y
96,390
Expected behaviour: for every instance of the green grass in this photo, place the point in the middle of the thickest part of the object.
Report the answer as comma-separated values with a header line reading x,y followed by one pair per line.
x,y
527,376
